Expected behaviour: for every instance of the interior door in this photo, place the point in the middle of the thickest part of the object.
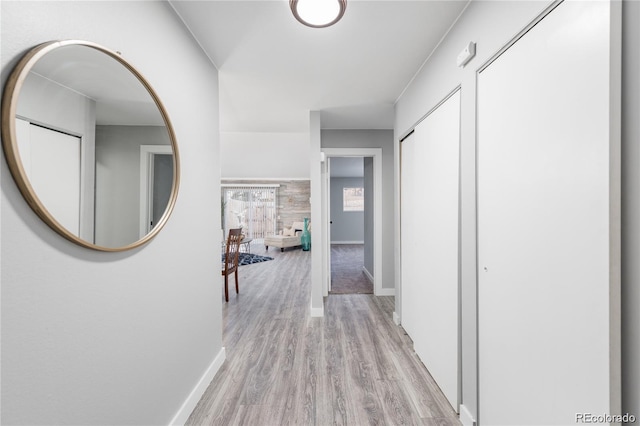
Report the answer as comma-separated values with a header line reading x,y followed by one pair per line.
x,y
51,160
162,184
329,222
156,182
545,179
430,243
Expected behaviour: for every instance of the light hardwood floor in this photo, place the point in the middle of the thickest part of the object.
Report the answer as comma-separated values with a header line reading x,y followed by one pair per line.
x,y
354,366
347,275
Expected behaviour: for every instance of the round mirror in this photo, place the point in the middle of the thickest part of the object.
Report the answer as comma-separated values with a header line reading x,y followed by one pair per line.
x,y
90,145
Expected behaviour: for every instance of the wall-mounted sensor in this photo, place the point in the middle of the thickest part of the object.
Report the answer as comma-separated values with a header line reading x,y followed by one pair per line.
x,y
467,54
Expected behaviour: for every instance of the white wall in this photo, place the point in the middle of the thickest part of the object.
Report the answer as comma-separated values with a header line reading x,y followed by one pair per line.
x,y
374,139
39,93
114,338
318,257
264,155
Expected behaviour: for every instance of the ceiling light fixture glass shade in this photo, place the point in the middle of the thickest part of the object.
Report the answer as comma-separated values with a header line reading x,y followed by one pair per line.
x,y
318,13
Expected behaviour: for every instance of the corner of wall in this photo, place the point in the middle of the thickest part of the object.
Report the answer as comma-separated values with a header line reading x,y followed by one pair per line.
x,y
192,400
317,312
386,292
317,300
396,318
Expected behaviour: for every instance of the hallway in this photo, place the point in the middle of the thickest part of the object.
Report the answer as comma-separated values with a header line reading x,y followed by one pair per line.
x,y
353,366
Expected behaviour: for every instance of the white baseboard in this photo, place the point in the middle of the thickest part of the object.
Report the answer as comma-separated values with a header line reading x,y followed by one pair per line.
x,y
386,292
189,405
348,242
465,416
396,318
368,274
317,312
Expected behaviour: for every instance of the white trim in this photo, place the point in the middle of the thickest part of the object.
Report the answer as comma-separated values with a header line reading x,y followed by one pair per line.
x,y
347,242
465,416
192,400
146,178
318,236
386,292
317,312
396,318
376,153
368,274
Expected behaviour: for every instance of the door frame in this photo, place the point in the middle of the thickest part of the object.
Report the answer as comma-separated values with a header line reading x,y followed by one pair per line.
x,y
376,154
146,183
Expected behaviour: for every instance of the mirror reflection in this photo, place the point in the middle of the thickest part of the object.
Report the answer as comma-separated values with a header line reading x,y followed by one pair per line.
x,y
95,147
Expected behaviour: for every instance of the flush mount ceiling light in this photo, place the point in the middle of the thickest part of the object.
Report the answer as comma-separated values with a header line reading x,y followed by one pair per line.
x,y
318,13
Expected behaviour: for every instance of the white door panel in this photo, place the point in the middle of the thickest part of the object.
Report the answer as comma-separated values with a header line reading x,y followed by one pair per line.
x,y
51,161
430,313
543,222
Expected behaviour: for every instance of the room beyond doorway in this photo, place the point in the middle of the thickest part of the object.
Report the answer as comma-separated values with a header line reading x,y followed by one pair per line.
x,y
347,270
351,224
372,237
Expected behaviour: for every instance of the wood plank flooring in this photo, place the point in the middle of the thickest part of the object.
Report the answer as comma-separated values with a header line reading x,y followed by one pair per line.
x,y
347,276
354,366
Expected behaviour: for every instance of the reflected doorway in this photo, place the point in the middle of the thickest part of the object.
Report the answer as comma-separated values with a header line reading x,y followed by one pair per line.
x,y
156,182
161,183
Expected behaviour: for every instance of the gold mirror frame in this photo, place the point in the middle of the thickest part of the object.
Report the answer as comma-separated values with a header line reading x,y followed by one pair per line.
x,y
10,144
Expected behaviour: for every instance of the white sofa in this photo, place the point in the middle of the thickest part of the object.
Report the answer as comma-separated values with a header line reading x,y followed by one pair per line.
x,y
288,237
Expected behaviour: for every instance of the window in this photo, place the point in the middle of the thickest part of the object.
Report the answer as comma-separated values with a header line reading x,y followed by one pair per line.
x,y
252,208
353,199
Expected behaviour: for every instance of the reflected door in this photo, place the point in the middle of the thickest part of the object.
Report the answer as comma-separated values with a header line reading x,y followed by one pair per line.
x,y
51,160
162,182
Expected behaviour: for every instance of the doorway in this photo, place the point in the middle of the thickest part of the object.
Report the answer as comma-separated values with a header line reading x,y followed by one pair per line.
x,y
371,240
156,183
350,225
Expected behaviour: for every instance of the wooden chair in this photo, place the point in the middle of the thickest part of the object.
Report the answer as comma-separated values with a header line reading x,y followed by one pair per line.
x,y
231,257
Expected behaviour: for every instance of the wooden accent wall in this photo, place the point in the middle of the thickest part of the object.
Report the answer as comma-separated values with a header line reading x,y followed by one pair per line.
x,y
293,198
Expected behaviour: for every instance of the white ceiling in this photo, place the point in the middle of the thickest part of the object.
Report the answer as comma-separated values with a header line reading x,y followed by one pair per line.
x,y
120,97
273,70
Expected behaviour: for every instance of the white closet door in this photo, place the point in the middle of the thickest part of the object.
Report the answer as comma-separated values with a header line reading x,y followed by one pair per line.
x,y
52,163
544,234
430,314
